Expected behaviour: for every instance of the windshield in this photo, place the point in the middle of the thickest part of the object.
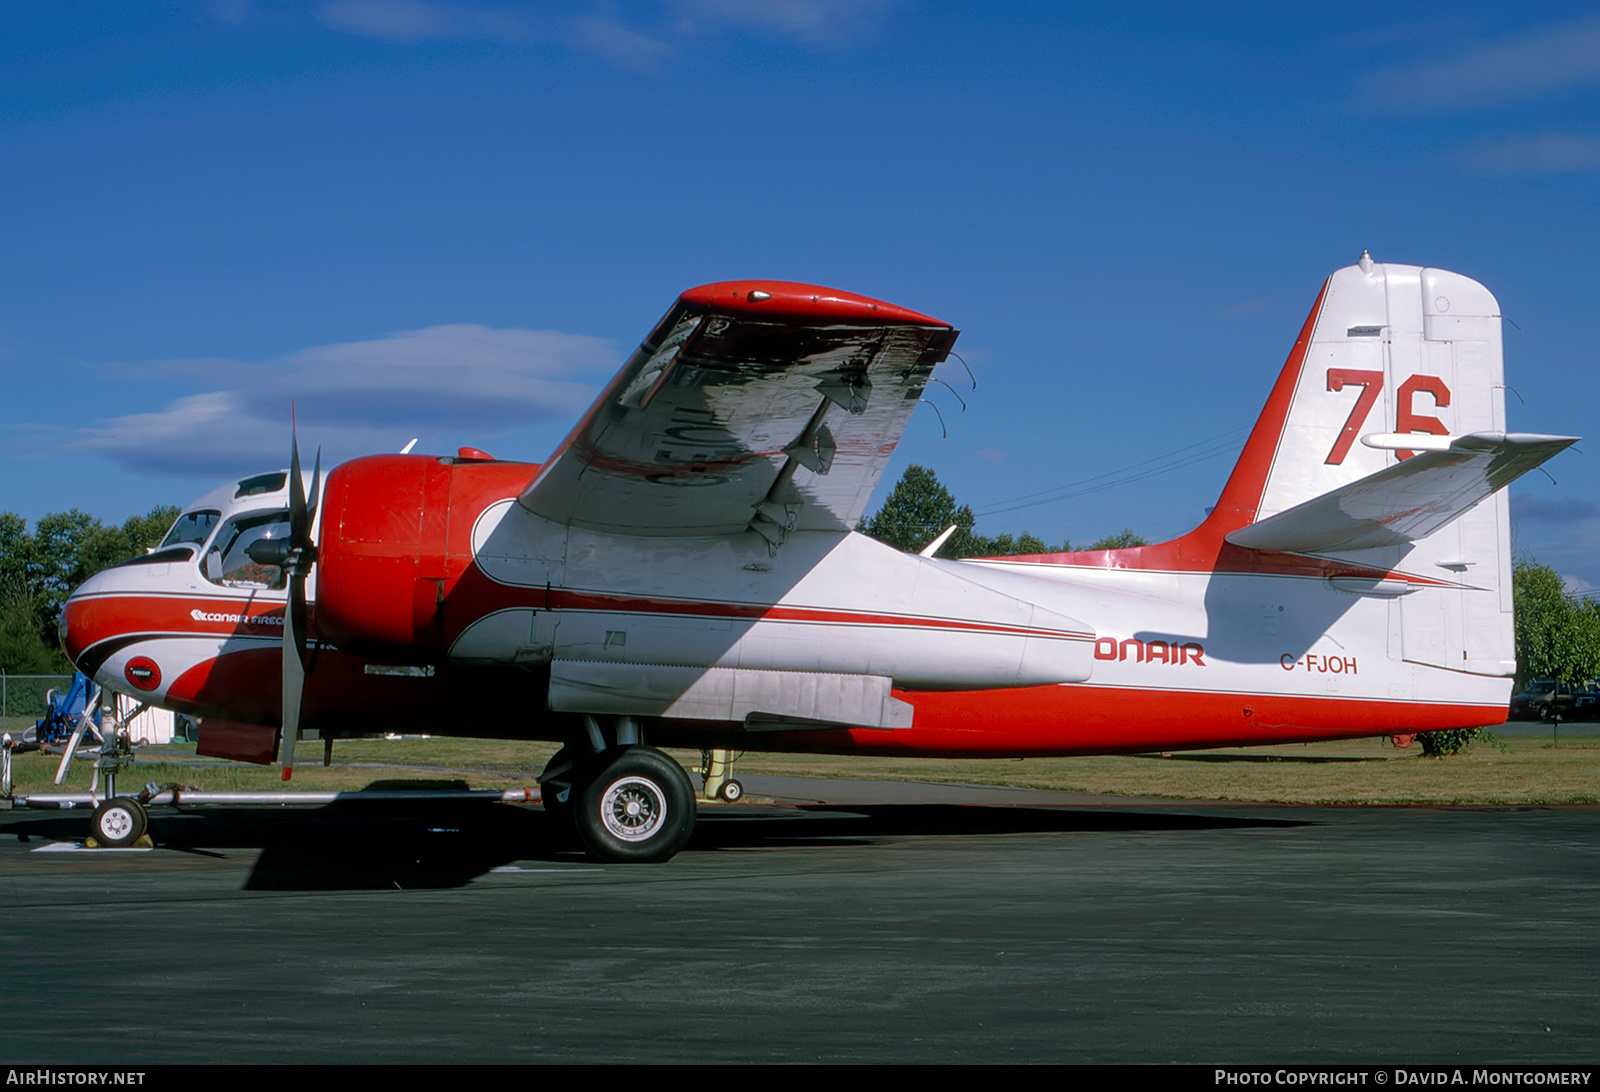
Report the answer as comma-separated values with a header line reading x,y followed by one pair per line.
x,y
192,527
228,564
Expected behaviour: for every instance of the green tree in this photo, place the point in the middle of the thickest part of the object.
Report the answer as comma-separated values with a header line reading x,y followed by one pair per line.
x,y
39,570
146,532
15,549
1558,635
920,507
69,548
23,649
1119,541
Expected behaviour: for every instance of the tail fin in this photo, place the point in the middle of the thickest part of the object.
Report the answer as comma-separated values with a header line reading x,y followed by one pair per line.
x,y
1387,349
1391,351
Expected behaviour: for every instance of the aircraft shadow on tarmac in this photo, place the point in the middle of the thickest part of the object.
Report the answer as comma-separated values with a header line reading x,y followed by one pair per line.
x,y
356,845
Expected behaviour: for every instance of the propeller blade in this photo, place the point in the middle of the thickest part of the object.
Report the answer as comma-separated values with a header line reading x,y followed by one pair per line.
x,y
316,494
302,551
294,670
299,519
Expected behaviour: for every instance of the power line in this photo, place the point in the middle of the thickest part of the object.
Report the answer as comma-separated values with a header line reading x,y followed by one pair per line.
x,y
1188,455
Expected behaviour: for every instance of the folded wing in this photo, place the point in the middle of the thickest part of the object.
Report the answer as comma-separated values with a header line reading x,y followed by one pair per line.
x,y
754,405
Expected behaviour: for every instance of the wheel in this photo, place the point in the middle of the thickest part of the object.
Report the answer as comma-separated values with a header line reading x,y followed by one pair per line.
x,y
1546,711
731,791
120,821
639,807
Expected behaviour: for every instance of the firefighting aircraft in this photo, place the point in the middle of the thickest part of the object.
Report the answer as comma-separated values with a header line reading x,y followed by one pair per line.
x,y
683,570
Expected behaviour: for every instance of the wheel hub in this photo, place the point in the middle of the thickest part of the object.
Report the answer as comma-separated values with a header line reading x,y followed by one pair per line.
x,y
117,822
633,809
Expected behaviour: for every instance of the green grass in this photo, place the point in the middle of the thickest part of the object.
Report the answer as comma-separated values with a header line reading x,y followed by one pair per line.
x,y
1356,771
482,764
1528,770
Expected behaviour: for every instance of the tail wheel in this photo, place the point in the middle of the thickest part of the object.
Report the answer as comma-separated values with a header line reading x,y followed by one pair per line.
x,y
638,808
120,821
731,791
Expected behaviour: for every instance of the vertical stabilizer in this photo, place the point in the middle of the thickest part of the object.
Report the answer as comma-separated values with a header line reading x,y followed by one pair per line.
x,y
1394,349
1387,349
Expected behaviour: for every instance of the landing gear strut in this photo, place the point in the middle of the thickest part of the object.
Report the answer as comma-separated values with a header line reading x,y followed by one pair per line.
x,y
626,803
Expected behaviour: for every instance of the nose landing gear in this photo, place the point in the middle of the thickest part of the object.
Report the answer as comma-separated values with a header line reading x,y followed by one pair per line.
x,y
119,821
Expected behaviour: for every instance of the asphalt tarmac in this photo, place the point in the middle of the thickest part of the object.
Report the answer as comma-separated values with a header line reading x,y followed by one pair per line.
x,y
847,921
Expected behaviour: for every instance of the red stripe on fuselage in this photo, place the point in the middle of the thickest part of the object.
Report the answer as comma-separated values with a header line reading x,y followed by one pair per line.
x,y
1075,719
92,619
1084,719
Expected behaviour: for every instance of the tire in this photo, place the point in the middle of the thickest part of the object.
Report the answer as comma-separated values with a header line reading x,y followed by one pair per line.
x,y
731,791
1546,711
638,808
120,821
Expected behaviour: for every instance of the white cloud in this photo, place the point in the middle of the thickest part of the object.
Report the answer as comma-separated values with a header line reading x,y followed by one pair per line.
x,y
1240,310
610,38
1563,513
417,20
360,396
810,22
605,34
231,11
1547,59
1576,585
1542,154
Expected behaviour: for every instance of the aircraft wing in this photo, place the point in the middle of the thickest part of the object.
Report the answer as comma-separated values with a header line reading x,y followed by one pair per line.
x,y
753,405
1407,501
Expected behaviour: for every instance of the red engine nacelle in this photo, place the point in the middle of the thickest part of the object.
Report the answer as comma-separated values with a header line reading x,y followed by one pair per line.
x,y
396,537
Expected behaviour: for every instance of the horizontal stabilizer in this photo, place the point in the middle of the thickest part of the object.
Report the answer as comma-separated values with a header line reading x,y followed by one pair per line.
x,y
1407,501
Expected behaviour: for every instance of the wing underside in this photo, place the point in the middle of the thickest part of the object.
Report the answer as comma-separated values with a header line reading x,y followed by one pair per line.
x,y
771,408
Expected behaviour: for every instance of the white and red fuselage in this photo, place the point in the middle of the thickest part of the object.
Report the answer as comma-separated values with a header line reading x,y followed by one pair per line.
x,y
445,600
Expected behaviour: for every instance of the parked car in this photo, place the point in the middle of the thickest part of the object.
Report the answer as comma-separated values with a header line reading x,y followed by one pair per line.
x,y
1546,699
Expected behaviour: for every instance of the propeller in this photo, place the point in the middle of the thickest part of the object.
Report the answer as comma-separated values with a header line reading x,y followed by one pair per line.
x,y
302,553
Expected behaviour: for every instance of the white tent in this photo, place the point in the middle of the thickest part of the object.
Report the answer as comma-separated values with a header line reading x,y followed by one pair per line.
x,y
151,726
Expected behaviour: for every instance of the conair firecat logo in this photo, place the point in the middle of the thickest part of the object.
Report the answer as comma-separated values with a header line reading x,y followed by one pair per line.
x,y
143,673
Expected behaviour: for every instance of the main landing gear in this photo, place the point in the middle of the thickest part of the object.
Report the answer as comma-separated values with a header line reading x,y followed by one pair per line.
x,y
626,802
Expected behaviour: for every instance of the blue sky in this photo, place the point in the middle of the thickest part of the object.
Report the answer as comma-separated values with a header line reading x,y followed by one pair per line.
x,y
453,220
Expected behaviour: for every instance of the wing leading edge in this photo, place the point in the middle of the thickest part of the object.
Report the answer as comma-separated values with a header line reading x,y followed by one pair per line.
x,y
753,405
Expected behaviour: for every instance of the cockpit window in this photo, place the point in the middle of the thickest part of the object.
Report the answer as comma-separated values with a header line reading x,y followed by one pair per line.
x,y
192,527
227,562
261,483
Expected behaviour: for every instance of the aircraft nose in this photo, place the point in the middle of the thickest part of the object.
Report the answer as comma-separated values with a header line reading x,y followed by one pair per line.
x,y
78,626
